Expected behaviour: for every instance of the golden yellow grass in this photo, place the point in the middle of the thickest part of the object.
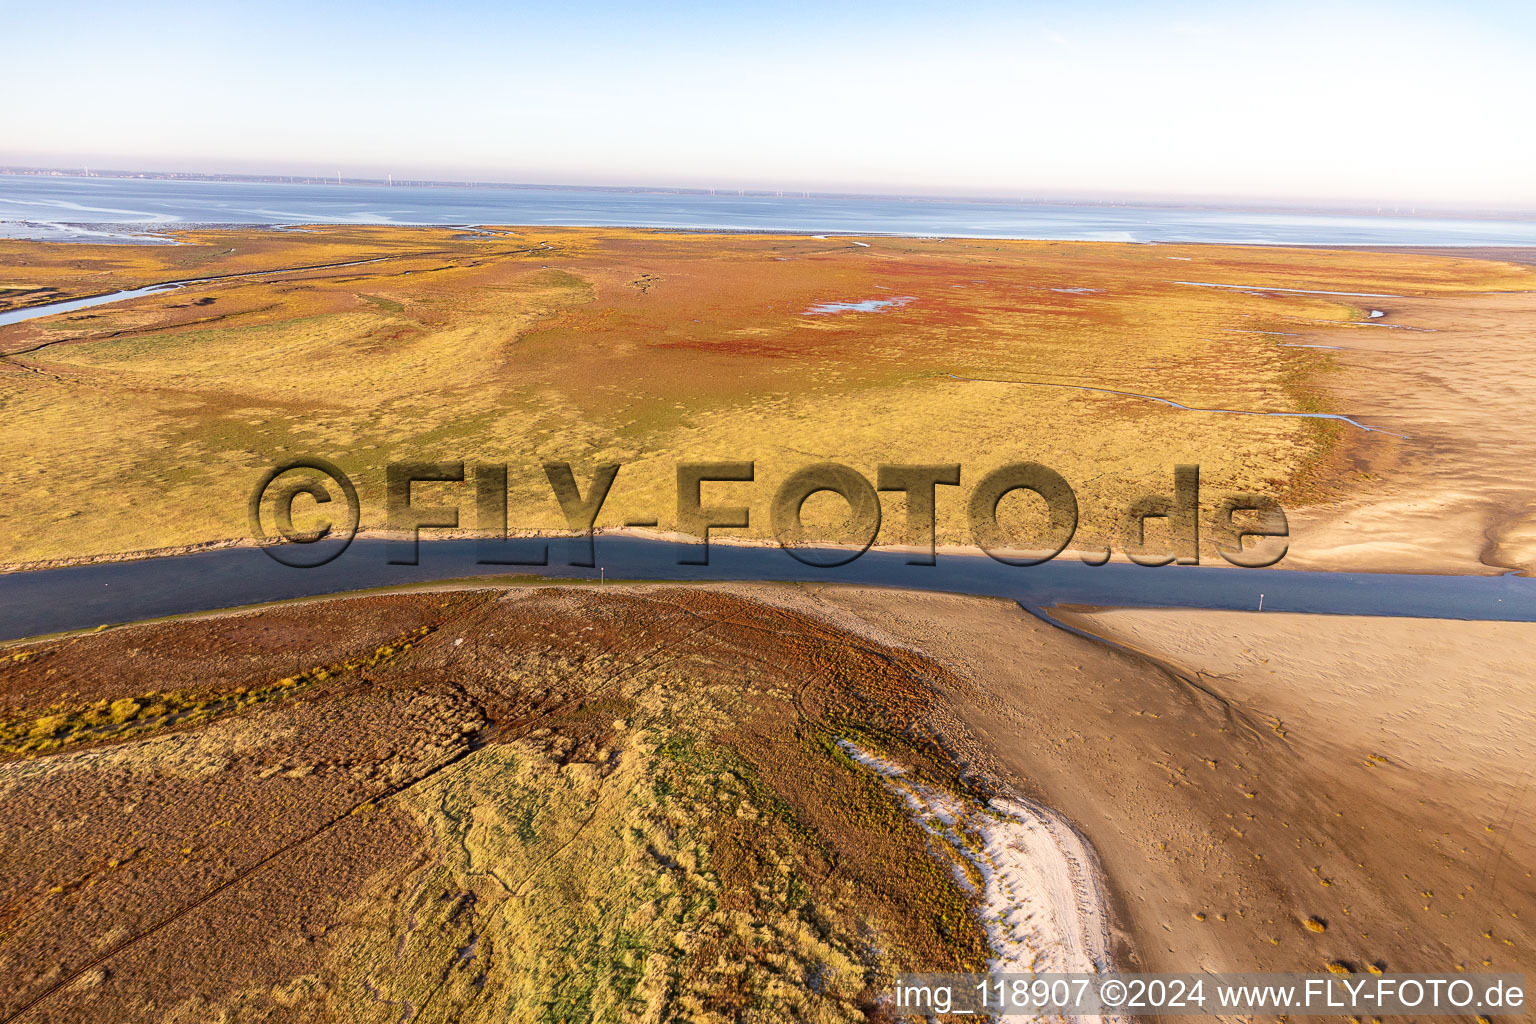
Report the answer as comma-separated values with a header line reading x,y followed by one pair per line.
x,y
145,424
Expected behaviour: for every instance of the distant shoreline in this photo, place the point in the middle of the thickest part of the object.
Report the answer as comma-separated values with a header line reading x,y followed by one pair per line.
x,y
111,209
1251,205
123,233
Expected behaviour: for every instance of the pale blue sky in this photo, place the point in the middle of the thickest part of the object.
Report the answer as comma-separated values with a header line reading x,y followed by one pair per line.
x,y
1399,102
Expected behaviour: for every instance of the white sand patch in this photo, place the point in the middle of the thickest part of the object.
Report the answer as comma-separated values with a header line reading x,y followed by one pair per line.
x,y
1043,903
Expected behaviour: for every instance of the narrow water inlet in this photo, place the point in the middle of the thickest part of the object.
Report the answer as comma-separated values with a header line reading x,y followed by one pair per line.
x,y
16,316
1181,406
1290,291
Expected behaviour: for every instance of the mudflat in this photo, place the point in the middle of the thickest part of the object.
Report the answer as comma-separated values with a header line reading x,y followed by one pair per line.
x,y
1459,380
1266,792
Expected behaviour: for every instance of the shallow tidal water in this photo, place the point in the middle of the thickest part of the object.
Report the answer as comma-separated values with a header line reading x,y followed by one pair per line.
x,y
118,209
81,597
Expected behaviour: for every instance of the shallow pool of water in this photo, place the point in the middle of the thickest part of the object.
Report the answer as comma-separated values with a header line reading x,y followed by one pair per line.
x,y
863,306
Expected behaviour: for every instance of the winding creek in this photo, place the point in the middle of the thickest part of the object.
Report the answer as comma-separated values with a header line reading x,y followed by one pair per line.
x,y
83,597
25,313
1179,405
16,316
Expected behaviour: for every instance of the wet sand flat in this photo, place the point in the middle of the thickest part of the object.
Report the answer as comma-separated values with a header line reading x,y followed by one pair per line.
x,y
1453,496
1261,771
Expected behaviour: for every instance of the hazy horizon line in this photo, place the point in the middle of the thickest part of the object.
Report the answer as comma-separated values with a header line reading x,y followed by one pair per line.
x,y
1254,203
